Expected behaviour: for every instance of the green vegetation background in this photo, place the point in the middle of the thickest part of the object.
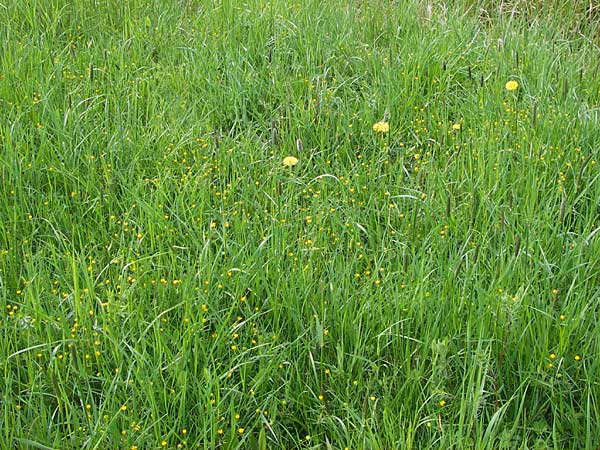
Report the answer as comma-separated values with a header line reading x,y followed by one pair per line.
x,y
168,283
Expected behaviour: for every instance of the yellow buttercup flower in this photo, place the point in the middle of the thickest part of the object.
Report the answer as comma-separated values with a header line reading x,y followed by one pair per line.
x,y
511,85
381,127
290,161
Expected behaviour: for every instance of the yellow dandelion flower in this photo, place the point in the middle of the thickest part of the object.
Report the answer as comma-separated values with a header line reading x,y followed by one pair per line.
x,y
290,161
381,127
511,85
442,403
456,126
577,358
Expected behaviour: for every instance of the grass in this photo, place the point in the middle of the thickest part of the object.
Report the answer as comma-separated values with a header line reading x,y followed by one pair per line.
x,y
166,282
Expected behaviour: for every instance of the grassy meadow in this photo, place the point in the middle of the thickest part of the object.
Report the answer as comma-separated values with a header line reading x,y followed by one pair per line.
x,y
422,273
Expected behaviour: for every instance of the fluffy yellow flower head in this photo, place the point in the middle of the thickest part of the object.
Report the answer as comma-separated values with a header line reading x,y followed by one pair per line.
x,y
290,161
381,127
511,85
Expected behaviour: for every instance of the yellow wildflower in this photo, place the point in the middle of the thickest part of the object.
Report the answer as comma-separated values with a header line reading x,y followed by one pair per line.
x,y
381,127
290,161
511,85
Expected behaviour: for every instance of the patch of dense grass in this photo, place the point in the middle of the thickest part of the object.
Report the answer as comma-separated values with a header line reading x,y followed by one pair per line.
x,y
167,282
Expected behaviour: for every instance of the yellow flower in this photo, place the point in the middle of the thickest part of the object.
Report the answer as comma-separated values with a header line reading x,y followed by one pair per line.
x,y
511,85
381,127
456,126
290,161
